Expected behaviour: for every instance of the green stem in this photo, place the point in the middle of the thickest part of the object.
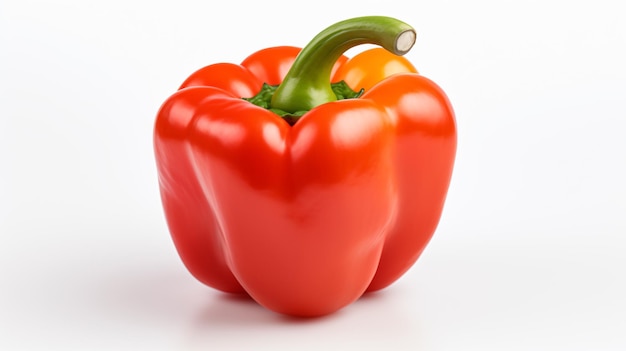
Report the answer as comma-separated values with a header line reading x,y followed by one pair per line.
x,y
307,84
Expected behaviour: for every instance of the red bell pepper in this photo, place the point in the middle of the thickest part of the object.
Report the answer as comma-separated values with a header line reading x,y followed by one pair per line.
x,y
308,194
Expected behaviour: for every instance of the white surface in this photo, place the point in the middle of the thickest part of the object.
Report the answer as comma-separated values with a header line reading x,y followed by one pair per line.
x,y
530,251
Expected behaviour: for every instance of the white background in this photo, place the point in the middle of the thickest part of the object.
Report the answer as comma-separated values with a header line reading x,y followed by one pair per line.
x,y
530,251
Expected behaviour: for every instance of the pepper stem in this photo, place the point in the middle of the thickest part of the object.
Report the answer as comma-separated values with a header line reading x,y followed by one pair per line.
x,y
307,84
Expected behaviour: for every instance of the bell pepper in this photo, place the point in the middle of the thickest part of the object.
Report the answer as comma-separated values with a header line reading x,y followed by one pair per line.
x,y
302,193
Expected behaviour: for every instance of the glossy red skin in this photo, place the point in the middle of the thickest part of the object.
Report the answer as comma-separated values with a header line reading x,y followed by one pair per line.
x,y
307,218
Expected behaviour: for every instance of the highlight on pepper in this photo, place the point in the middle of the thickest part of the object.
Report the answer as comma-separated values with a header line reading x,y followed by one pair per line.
x,y
304,178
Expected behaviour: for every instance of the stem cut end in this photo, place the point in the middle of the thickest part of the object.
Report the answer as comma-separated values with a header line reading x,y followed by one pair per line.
x,y
405,41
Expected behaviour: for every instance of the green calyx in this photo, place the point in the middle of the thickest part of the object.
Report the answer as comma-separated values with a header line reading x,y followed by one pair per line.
x,y
341,90
307,84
